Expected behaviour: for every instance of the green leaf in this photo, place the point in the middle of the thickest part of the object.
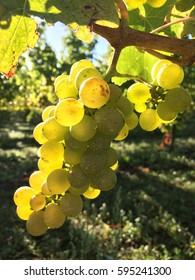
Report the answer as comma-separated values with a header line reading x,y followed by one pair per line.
x,y
70,12
136,63
20,35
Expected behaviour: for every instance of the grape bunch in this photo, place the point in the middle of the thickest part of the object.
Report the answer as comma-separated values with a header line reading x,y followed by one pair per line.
x,y
161,102
76,159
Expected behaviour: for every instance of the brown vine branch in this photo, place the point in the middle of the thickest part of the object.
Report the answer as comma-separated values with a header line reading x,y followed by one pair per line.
x,y
123,36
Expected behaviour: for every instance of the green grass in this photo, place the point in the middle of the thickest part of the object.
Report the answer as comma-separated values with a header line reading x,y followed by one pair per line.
x,y
150,213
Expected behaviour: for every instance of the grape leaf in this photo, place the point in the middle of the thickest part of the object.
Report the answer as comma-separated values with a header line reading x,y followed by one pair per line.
x,y
20,35
147,18
134,62
70,12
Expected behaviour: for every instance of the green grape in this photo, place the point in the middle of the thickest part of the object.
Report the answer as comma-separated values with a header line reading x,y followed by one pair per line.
x,y
50,151
111,156
71,204
178,99
149,120
94,92
84,74
59,78
53,216
123,133
134,4
106,181
23,195
35,224
99,143
77,191
156,68
72,157
109,121
156,3
170,76
124,105
91,193
37,201
74,144
132,121
46,111
140,107
138,93
69,112
45,190
115,94
54,131
48,166
92,164
77,66
77,178
57,181
24,212
85,129
36,180
38,133
65,88
165,113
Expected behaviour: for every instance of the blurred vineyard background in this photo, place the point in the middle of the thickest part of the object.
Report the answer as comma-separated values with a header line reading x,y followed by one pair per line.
x,y
150,214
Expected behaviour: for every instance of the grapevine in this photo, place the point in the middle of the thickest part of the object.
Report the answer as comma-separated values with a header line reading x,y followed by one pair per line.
x,y
76,158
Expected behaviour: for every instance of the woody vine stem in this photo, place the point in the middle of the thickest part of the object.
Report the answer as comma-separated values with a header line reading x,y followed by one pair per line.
x,y
124,35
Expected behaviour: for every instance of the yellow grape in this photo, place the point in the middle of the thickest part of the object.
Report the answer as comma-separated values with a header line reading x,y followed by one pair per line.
x,y
170,76
71,205
77,66
105,181
77,191
85,129
133,4
72,157
69,112
91,193
84,74
59,78
65,88
94,92
24,212
149,120
53,216
35,224
57,181
50,151
36,180
124,105
156,3
54,131
123,133
140,107
165,113
115,93
38,133
132,121
138,93
48,166
45,190
46,112
157,66
23,195
37,201
178,99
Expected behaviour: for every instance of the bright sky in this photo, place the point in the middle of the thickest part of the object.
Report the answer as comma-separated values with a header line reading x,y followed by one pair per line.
x,y
54,36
